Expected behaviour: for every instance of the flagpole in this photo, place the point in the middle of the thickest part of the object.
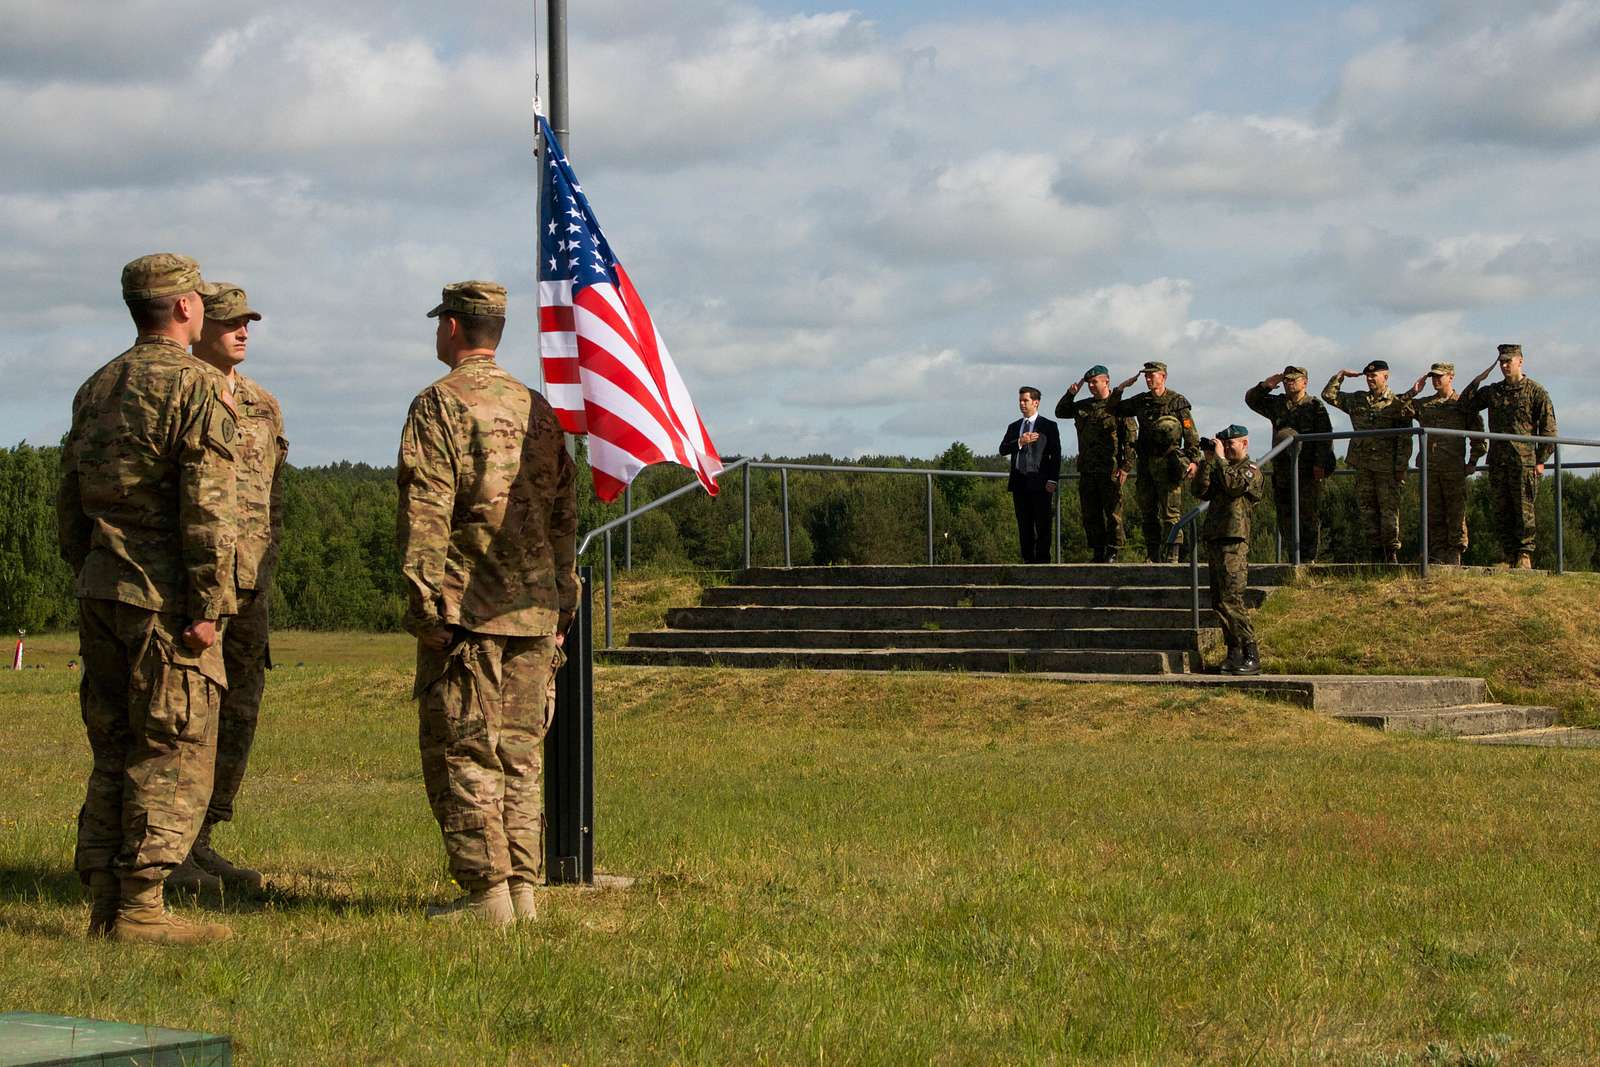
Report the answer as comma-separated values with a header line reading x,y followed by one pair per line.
x,y
557,41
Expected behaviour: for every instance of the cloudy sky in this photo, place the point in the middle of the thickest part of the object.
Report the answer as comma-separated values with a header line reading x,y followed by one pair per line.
x,y
859,228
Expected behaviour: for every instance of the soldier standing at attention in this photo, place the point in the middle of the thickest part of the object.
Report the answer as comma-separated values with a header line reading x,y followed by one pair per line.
x,y
1106,457
487,537
1380,462
1233,485
145,513
1518,404
1449,463
258,524
1169,452
1295,412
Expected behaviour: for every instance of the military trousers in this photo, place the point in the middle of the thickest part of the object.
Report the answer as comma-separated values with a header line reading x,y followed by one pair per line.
x,y
1160,498
1310,533
1514,488
484,708
150,709
244,651
1447,509
1378,501
1100,505
1228,561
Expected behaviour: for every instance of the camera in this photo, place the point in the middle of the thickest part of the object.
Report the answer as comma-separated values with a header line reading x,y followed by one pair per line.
x,y
1207,444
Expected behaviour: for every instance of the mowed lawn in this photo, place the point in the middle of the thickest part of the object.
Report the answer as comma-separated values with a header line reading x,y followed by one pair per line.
x,y
838,868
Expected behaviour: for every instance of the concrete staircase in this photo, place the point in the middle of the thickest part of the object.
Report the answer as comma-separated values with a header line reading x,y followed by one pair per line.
x,y
1122,619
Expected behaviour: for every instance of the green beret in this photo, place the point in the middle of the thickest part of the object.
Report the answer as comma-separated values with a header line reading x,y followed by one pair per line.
x,y
472,298
1231,432
1095,371
225,302
1152,365
161,274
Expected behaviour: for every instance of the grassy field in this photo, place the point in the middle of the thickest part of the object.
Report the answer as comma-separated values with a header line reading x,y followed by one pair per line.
x,y
839,868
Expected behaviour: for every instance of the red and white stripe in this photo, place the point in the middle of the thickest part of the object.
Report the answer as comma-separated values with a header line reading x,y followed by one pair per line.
x,y
608,375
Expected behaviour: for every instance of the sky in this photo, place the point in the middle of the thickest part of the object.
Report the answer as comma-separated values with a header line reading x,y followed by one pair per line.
x,y
859,229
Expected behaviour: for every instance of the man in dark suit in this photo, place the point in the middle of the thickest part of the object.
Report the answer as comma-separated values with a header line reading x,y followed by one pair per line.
x,y
1034,444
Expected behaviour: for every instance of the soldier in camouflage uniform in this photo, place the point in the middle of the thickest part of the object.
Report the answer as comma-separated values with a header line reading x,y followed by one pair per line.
x,y
1520,405
261,449
1449,463
1106,456
487,524
1295,412
145,512
1233,485
1380,463
1169,452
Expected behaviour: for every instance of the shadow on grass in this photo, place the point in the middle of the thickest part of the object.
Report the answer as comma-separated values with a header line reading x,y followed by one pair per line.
x,y
38,884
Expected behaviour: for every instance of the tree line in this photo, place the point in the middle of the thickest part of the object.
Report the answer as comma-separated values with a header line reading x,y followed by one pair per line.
x,y
338,568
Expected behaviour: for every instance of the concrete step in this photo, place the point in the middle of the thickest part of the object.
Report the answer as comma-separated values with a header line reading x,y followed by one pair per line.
x,y
1159,639
1462,720
918,618
966,596
1110,662
1330,693
1546,737
1042,574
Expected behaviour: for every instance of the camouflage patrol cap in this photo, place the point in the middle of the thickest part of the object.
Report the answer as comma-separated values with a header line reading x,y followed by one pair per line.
x,y
1507,351
1153,365
472,298
225,301
1441,368
160,274
1228,433
1095,372
1377,364
1295,372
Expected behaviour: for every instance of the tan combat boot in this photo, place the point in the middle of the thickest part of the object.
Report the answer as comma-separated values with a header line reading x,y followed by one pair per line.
x,y
523,901
143,916
105,893
492,905
1524,562
190,877
237,879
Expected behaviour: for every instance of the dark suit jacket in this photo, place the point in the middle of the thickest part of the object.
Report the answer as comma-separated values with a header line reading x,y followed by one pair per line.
x,y
1049,459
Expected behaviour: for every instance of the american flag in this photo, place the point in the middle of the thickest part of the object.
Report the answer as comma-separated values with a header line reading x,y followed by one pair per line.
x,y
607,372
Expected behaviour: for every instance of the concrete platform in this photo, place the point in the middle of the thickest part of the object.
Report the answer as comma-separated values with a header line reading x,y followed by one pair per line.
x,y
29,1039
1469,720
1552,737
1110,662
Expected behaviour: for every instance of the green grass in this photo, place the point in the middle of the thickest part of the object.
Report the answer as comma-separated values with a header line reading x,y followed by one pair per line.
x,y
845,868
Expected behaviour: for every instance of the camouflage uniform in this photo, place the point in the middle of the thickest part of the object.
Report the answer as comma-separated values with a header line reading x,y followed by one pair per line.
x,y
1521,407
1167,443
1233,490
487,523
1448,460
1380,463
145,521
1307,416
1105,446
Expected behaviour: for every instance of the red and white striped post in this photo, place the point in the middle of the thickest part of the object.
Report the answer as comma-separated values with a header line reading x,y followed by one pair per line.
x,y
16,657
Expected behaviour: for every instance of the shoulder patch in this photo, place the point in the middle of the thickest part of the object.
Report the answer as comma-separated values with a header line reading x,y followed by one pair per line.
x,y
228,429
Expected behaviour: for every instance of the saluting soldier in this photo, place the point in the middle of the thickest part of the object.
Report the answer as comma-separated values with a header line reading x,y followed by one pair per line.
x,y
145,518
1106,455
1169,452
1233,485
1449,461
1517,404
1296,412
487,532
1380,463
258,522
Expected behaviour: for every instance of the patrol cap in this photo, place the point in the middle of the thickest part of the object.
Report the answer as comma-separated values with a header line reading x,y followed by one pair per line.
x,y
1228,433
1095,371
225,301
1377,364
1295,372
472,298
1441,368
160,274
1507,351
1153,365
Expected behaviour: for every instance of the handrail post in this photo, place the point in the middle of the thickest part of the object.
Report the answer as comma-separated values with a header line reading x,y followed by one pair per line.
x,y
627,528
783,479
608,589
1057,494
1422,491
930,520
747,514
1561,527
1294,497
1194,578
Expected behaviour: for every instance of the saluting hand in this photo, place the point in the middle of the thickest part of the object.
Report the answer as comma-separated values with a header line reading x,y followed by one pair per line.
x,y
1129,382
1348,373
1072,390
1417,388
1274,381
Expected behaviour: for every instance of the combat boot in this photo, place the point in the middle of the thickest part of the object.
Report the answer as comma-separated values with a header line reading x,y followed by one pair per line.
x,y
1111,556
190,877
1391,556
523,900
1249,661
237,879
492,905
1231,664
143,916
105,893
1099,556
1524,562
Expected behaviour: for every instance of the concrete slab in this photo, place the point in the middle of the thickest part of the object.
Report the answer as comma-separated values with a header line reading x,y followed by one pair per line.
x,y
29,1039
1469,720
1552,737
